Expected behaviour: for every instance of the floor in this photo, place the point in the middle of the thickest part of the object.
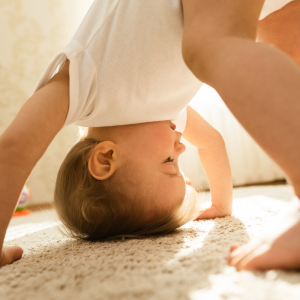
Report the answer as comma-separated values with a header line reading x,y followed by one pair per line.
x,y
187,264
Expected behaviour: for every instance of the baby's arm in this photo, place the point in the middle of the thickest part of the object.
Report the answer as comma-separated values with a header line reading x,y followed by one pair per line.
x,y
213,155
24,142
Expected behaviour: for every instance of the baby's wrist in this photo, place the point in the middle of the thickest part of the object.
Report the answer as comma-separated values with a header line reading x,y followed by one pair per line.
x,y
225,210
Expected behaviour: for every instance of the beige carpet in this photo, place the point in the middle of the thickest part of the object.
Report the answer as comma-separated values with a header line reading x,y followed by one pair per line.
x,y
188,264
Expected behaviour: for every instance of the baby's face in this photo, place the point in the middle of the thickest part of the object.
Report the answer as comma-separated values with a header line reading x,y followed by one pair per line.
x,y
152,151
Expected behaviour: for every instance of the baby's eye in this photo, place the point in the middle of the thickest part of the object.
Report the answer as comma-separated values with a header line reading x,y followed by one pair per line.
x,y
169,159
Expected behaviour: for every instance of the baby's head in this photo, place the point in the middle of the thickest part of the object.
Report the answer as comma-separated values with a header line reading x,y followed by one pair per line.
x,y
124,181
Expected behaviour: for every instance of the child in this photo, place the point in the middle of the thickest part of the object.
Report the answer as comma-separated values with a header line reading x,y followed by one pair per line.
x,y
218,46
126,81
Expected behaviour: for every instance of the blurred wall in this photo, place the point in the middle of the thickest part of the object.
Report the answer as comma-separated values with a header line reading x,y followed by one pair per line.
x,y
31,33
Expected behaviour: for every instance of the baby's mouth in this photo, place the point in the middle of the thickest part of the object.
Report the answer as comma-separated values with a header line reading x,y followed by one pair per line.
x,y
173,126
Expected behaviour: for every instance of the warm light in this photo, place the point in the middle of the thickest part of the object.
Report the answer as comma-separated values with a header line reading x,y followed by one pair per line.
x,y
190,245
14,232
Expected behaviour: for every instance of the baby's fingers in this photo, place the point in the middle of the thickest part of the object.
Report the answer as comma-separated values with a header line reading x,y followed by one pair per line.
x,y
211,213
10,254
205,214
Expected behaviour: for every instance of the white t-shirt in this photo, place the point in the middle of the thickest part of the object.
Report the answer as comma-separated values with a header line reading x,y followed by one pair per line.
x,y
126,63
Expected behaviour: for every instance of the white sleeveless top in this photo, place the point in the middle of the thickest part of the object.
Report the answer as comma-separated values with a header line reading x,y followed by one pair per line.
x,y
126,64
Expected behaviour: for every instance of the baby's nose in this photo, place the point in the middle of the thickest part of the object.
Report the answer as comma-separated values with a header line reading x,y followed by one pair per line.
x,y
180,147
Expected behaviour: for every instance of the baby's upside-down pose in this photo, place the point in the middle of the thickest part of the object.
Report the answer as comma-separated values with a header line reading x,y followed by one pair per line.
x,y
125,80
118,76
125,180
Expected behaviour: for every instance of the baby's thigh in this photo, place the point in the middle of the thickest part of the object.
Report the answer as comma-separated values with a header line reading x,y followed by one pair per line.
x,y
220,18
282,29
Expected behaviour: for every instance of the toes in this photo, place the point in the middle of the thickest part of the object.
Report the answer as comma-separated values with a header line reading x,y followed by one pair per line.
x,y
232,255
240,255
233,247
256,260
247,263
236,260
236,251
252,256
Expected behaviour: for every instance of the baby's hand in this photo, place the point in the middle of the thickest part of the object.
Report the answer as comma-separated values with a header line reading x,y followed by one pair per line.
x,y
214,212
9,255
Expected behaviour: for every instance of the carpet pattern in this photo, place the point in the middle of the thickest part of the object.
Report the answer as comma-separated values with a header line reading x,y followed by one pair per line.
x,y
187,264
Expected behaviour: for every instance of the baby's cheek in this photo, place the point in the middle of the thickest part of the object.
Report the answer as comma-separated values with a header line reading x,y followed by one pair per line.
x,y
168,142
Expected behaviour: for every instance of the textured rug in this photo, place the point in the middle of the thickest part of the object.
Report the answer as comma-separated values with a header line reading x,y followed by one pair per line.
x,y
187,264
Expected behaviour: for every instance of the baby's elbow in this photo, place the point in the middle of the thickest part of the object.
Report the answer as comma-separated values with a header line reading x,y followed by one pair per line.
x,y
213,141
217,140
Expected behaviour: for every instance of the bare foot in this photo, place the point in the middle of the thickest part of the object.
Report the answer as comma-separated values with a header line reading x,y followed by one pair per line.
x,y
277,248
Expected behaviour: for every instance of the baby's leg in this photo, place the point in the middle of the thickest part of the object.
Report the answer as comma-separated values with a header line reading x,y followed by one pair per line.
x,y
282,29
260,85
280,249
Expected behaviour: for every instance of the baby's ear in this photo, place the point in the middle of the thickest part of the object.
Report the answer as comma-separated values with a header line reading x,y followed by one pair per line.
x,y
102,162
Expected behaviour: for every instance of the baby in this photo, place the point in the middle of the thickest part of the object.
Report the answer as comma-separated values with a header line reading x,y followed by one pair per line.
x,y
123,75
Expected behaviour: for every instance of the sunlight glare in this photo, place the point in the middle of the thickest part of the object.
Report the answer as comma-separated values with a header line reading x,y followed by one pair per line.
x,y
14,232
191,245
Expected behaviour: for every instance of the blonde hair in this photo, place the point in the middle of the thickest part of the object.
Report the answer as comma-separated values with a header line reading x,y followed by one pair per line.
x,y
91,209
